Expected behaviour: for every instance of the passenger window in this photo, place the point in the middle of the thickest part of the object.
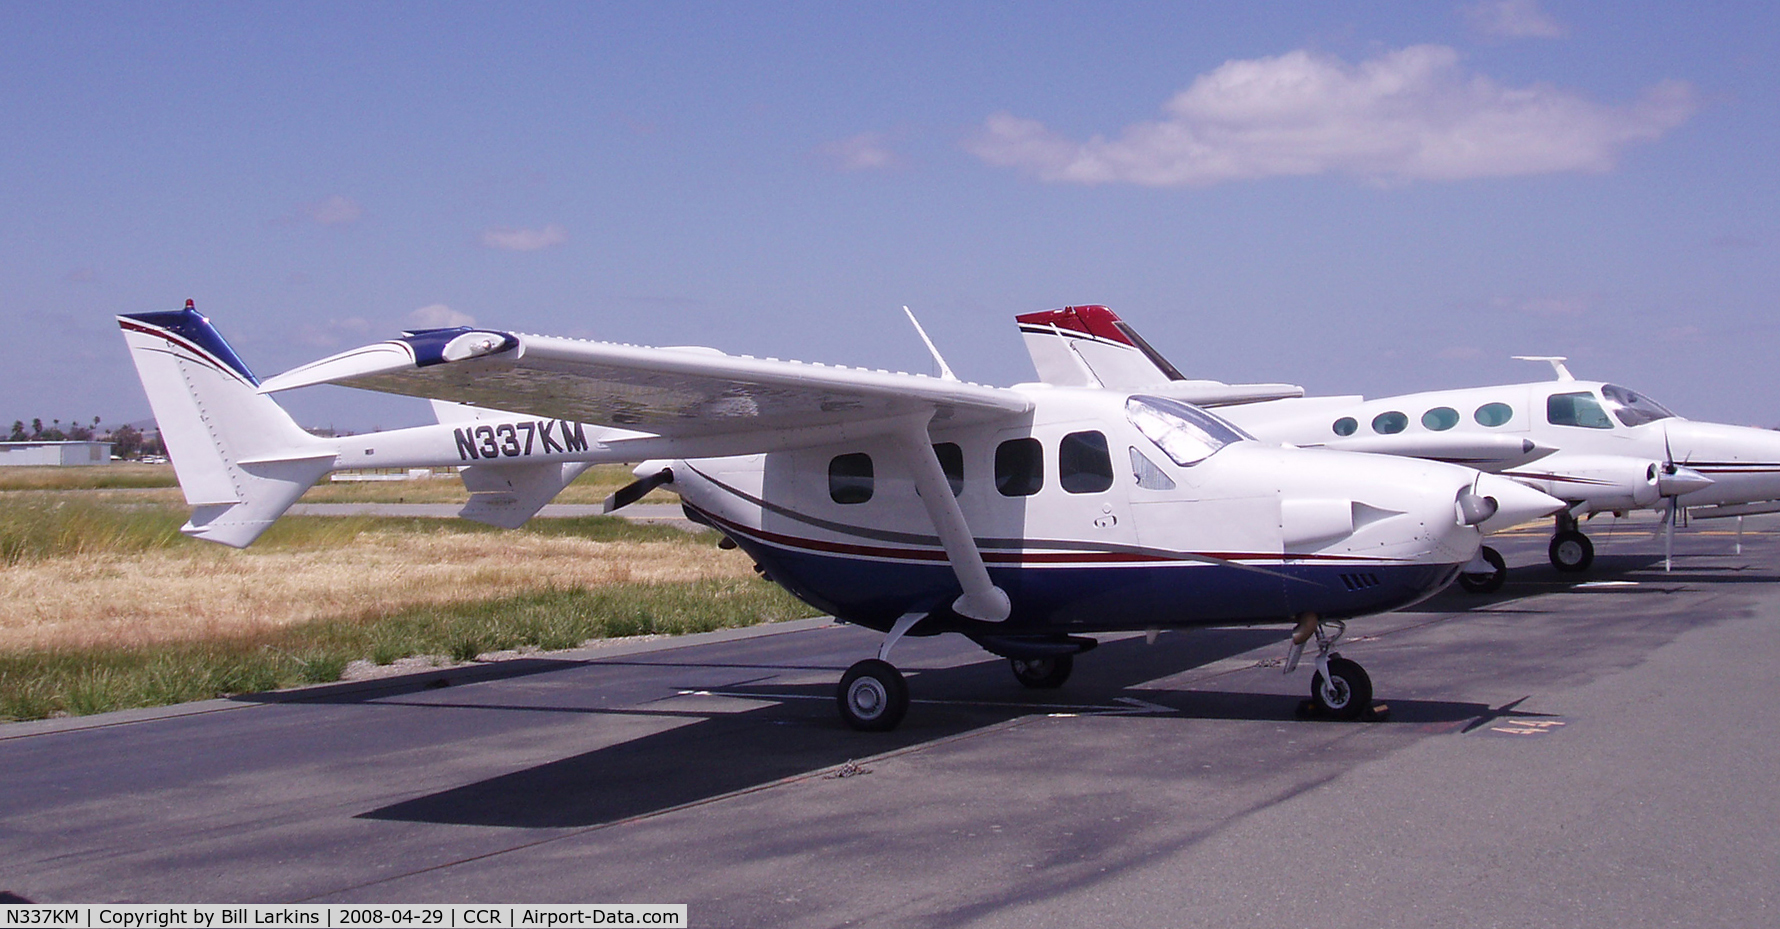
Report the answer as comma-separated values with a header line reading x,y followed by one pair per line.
x,y
1019,467
1493,414
1346,425
1390,423
850,478
1578,409
951,461
1149,476
1083,464
1440,418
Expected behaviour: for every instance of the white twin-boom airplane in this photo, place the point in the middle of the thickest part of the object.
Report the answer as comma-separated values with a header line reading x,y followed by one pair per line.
x,y
1027,518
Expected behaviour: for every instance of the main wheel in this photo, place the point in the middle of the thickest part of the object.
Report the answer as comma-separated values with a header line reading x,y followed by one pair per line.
x,y
873,696
1486,583
1348,691
1043,673
1571,551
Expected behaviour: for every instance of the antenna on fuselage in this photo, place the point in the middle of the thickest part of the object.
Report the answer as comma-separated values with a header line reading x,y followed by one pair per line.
x,y
945,370
1557,364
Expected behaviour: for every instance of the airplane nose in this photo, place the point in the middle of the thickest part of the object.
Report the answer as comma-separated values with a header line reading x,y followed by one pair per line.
x,y
1516,503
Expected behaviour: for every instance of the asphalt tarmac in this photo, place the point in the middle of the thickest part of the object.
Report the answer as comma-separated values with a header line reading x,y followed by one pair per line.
x,y
1595,750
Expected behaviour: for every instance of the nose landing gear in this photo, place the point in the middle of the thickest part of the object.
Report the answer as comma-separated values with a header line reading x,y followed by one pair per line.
x,y
1340,689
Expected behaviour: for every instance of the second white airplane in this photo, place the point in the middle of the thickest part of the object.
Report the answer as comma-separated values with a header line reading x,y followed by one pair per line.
x,y
1597,446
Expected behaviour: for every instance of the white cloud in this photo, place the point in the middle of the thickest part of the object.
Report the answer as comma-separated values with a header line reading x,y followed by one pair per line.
x,y
331,333
867,151
1513,19
524,240
1410,114
336,210
439,316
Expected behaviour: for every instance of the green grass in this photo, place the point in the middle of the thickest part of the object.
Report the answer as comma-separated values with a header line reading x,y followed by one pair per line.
x,y
37,526
35,685
117,475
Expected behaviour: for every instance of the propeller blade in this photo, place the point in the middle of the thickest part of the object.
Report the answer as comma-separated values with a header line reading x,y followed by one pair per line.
x,y
637,490
1669,537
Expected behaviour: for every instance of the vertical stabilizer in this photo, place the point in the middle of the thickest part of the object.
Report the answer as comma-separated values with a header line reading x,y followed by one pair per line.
x,y
1089,346
241,460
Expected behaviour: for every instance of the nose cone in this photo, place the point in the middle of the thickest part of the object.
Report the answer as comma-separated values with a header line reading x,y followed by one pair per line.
x,y
1516,503
1679,480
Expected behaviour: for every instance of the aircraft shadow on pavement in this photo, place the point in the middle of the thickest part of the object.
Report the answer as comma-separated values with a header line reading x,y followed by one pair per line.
x,y
1646,570
799,734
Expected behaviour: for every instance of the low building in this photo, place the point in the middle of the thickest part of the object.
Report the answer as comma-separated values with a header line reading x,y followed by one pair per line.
x,y
58,454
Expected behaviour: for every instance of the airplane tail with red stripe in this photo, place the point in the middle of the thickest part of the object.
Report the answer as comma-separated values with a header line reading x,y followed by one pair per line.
x,y
241,459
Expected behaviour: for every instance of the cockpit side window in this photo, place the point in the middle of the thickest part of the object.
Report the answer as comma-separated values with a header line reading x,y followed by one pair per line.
x,y
1185,433
1577,409
1633,409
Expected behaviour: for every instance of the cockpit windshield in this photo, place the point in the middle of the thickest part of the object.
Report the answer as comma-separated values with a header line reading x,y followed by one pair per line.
x,y
1185,433
1632,409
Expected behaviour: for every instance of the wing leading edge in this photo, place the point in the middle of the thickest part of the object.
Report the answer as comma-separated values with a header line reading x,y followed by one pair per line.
x,y
670,392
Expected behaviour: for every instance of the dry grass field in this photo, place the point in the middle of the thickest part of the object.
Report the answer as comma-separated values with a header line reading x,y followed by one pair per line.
x,y
103,603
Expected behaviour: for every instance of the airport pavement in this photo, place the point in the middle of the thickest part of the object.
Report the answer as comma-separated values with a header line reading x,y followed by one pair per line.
x,y
1593,751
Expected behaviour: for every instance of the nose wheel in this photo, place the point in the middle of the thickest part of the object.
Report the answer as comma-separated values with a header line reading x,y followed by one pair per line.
x,y
1340,689
1346,691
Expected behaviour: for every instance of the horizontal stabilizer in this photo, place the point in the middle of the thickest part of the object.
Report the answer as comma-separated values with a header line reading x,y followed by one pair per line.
x,y
508,495
270,487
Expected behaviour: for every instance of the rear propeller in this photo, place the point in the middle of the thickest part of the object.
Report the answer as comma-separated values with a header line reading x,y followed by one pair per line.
x,y
637,490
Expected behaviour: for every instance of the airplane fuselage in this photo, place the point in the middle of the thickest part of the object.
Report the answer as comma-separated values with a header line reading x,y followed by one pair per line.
x,y
1588,444
1090,526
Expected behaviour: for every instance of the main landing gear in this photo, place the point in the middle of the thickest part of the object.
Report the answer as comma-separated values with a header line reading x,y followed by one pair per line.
x,y
1570,550
873,696
1340,689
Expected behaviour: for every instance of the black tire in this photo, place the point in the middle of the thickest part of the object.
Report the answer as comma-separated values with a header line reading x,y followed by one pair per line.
x,y
1349,692
872,696
1571,551
1043,673
1486,583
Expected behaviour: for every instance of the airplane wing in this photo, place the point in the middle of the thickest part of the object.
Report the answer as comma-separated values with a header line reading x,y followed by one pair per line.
x,y
675,393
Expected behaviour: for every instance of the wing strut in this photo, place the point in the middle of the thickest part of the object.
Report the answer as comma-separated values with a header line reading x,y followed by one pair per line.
x,y
982,600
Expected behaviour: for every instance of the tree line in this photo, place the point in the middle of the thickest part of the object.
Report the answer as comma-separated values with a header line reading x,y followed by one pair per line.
x,y
126,441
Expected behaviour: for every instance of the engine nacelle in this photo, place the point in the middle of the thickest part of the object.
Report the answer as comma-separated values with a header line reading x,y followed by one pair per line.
x,y
1604,482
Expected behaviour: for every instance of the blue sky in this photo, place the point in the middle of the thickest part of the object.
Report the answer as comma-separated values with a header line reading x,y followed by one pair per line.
x,y
1362,198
